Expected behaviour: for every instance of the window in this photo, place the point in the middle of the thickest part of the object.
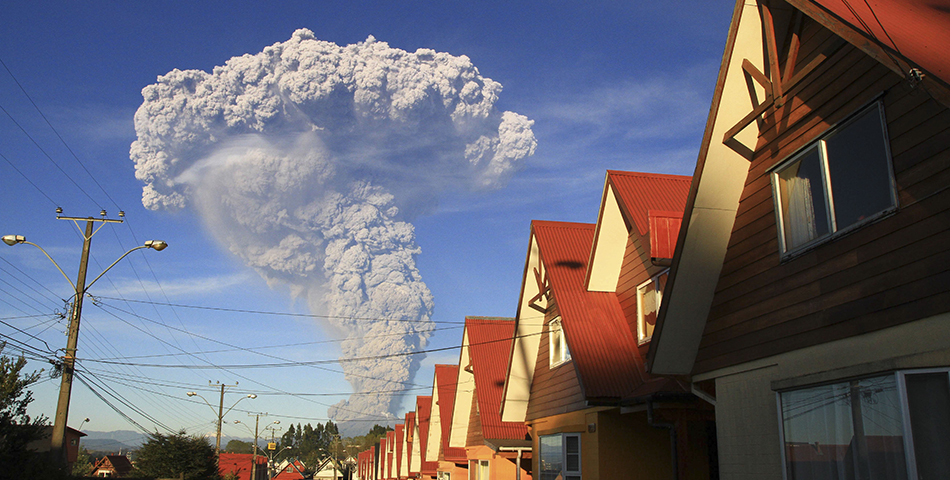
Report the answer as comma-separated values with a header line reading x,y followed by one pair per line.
x,y
558,351
888,427
444,476
560,456
649,295
479,470
840,181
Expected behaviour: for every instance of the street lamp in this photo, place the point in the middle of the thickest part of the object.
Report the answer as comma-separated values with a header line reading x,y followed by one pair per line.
x,y
58,437
221,412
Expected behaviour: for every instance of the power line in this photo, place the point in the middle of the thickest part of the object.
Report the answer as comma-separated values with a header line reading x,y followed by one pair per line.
x,y
286,314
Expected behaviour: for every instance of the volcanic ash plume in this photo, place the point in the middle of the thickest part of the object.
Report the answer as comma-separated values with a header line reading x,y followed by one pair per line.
x,y
308,161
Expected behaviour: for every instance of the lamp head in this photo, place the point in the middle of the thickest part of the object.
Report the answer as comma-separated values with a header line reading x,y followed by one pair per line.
x,y
252,396
157,245
191,394
12,240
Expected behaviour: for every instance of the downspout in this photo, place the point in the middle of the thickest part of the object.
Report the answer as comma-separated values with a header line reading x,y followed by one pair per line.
x,y
518,465
672,428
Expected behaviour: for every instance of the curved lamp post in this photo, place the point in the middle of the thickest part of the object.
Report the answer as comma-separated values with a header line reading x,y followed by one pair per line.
x,y
221,413
58,437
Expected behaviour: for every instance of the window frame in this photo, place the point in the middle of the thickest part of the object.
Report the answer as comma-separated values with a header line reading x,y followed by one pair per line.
x,y
642,337
473,469
565,473
910,457
565,356
827,183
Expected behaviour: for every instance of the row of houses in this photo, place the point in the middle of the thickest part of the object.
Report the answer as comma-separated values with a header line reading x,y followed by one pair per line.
x,y
783,313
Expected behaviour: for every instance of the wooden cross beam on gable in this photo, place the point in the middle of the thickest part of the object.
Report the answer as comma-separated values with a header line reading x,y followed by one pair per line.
x,y
777,84
544,291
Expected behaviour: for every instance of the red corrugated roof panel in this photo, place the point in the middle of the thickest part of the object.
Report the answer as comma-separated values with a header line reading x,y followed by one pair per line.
x,y
423,416
445,378
918,29
603,350
641,192
489,342
397,460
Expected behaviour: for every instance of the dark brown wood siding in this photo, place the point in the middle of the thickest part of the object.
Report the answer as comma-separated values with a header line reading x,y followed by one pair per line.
x,y
474,437
636,269
553,391
888,272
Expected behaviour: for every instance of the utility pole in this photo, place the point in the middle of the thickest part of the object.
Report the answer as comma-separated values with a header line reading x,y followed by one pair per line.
x,y
217,443
221,411
58,437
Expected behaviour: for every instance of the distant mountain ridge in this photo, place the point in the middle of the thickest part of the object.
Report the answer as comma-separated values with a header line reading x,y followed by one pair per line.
x,y
125,440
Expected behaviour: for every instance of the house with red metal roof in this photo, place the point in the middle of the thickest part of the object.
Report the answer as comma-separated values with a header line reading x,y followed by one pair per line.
x,y
290,470
409,465
452,461
809,291
495,449
576,373
241,465
366,465
399,468
427,468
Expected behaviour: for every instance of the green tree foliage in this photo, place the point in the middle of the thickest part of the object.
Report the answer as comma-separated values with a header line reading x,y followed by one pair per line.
x,y
83,465
238,446
17,429
169,456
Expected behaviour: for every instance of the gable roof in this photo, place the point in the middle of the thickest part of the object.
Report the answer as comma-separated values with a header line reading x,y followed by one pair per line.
x,y
420,447
410,446
490,342
919,28
633,201
603,350
443,396
120,464
486,343
399,461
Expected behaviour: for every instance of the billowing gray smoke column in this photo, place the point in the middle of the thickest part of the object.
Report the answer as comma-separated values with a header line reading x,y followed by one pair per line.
x,y
308,161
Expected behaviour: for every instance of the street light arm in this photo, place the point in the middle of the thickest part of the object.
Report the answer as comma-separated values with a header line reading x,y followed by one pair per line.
x,y
157,245
50,259
193,394
252,396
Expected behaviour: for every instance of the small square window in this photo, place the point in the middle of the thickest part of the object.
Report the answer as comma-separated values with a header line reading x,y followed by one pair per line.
x,y
558,351
840,181
649,296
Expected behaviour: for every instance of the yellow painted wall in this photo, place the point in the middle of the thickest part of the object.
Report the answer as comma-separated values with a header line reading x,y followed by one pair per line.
x,y
619,445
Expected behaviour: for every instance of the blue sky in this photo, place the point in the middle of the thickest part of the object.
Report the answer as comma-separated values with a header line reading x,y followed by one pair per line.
x,y
609,85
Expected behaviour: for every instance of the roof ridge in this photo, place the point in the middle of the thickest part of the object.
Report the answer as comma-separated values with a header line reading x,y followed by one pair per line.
x,y
649,175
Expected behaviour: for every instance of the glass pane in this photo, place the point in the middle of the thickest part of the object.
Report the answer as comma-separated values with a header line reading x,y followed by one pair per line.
x,y
859,171
646,297
550,462
804,213
928,400
572,458
555,344
829,435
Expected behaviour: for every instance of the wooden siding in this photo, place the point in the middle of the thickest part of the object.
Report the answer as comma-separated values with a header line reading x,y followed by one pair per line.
x,y
553,391
637,268
474,437
892,271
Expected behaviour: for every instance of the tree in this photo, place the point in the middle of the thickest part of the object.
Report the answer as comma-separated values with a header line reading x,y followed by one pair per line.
x,y
239,446
83,465
169,456
17,429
